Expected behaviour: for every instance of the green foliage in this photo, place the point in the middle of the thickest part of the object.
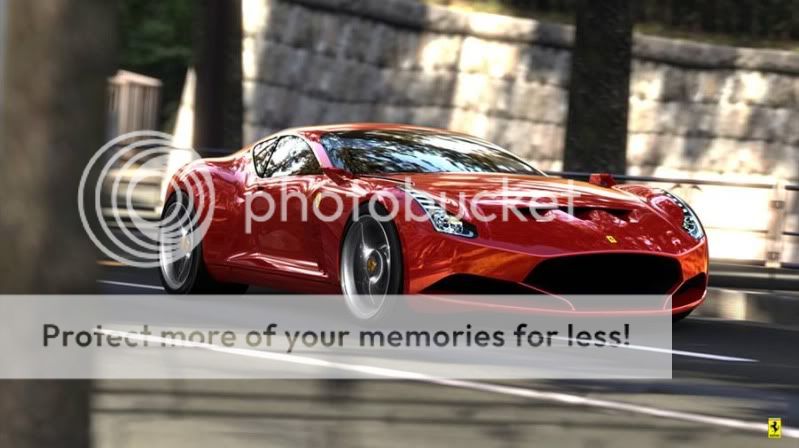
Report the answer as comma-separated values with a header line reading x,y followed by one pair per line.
x,y
156,40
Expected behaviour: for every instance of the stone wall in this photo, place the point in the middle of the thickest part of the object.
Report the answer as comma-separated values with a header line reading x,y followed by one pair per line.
x,y
694,108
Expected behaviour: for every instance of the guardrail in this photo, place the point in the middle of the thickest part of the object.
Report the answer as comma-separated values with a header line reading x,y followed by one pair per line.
x,y
676,180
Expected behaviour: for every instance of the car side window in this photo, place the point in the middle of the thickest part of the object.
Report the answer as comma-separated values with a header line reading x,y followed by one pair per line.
x,y
260,155
292,157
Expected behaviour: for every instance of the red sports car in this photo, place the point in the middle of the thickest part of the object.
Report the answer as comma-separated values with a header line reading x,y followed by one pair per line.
x,y
375,210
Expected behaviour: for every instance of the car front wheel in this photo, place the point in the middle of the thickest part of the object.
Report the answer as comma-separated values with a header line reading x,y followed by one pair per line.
x,y
371,268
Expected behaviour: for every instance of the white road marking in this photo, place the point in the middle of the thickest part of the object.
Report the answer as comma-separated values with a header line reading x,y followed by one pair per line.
x,y
690,354
686,353
132,285
515,391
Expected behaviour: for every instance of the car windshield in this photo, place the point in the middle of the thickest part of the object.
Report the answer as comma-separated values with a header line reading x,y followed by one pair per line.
x,y
418,151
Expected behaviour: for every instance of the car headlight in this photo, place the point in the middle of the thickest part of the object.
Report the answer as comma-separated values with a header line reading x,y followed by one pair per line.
x,y
442,220
690,222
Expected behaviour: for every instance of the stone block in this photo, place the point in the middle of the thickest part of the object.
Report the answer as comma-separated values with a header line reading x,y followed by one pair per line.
x,y
393,114
272,59
320,75
495,59
431,88
791,130
539,102
470,91
547,141
276,27
328,34
469,122
763,89
544,65
357,41
305,110
513,135
705,86
432,116
267,105
439,52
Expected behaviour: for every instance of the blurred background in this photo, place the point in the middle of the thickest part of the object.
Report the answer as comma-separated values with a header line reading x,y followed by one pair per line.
x,y
699,97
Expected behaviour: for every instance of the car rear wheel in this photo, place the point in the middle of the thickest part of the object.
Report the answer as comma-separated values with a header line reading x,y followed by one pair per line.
x,y
182,267
371,265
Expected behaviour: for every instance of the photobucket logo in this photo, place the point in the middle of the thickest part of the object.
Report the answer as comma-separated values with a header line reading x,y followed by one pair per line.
x,y
123,185
281,201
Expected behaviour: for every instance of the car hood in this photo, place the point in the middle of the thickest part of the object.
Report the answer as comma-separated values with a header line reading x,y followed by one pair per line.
x,y
550,216
503,189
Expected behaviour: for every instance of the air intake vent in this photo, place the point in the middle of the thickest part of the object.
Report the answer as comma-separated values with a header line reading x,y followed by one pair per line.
x,y
606,274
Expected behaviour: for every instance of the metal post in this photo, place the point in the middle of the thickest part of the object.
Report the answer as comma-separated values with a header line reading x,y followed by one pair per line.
x,y
777,217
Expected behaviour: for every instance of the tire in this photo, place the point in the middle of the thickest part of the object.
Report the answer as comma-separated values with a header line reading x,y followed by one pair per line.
x,y
678,317
187,274
371,269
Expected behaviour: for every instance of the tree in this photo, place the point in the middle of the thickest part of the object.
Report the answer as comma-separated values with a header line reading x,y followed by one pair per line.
x,y
217,61
58,55
596,128
155,39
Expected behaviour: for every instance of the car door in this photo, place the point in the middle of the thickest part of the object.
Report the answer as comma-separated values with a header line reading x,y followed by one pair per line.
x,y
288,241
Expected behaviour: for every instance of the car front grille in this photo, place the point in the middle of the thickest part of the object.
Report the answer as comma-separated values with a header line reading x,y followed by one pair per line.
x,y
616,273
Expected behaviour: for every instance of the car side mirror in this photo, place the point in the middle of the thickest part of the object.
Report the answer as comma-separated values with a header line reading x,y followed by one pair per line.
x,y
337,174
602,179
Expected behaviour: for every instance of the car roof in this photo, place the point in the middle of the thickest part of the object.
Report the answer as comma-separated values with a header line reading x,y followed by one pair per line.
x,y
346,127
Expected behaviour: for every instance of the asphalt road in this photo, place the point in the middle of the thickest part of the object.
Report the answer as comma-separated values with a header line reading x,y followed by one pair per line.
x,y
711,401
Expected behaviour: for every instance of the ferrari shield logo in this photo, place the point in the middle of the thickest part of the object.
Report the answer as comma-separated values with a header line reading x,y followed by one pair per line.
x,y
774,428
611,239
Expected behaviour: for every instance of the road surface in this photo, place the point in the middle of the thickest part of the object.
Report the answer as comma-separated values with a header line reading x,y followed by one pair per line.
x,y
712,400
